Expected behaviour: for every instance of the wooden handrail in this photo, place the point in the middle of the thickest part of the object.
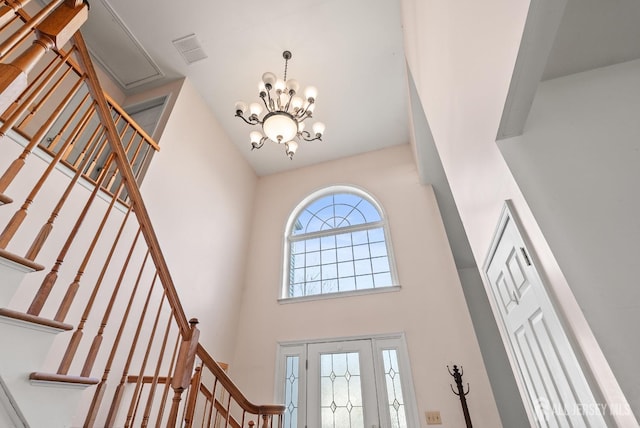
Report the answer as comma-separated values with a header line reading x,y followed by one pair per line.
x,y
229,386
133,123
139,208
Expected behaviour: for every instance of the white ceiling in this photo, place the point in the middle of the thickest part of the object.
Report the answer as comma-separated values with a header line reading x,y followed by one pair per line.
x,y
352,51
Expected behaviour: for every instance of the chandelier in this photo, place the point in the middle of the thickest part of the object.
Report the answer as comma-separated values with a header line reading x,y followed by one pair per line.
x,y
283,121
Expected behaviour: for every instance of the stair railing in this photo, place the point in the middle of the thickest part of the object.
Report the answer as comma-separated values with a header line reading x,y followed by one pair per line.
x,y
120,308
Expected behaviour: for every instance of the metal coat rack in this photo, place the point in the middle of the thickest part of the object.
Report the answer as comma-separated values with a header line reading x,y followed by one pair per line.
x,y
457,376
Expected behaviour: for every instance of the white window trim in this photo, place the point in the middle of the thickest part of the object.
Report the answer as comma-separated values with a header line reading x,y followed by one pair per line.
x,y
384,223
379,343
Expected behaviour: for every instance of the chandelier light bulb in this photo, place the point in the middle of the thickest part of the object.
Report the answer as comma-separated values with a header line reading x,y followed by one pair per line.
x,y
241,107
311,93
284,112
297,103
292,86
269,79
255,109
318,128
255,137
291,147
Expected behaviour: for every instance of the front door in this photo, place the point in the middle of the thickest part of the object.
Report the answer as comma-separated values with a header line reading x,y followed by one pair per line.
x,y
341,385
556,388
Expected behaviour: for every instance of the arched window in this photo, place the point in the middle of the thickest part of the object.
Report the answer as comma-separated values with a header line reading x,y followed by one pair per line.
x,y
337,241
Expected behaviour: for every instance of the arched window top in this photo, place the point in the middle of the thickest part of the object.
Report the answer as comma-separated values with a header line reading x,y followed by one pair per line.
x,y
335,211
337,241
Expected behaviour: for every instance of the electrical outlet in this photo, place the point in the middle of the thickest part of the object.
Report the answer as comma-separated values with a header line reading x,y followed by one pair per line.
x,y
433,417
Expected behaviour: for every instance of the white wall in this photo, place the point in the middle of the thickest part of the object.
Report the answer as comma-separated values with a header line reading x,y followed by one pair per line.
x,y
461,55
430,307
578,164
199,192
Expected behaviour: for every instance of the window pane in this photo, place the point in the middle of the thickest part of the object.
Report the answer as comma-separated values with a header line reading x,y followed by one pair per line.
x,y
327,242
376,235
345,254
330,271
328,256
380,264
313,258
382,280
378,249
362,266
343,240
361,252
345,269
360,237
330,286
347,284
363,282
312,245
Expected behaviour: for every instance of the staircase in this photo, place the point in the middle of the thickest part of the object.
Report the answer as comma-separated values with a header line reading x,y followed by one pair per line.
x,y
93,332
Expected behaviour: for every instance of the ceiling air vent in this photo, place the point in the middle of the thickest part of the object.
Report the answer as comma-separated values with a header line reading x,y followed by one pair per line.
x,y
190,49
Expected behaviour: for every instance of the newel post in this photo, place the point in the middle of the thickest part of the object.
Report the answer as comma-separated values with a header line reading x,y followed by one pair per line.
x,y
52,33
184,367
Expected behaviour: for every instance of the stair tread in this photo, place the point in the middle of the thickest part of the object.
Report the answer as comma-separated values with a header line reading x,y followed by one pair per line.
x,y
21,316
20,260
60,378
4,199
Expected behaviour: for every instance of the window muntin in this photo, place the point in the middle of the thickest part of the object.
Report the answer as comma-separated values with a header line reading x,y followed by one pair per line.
x,y
337,243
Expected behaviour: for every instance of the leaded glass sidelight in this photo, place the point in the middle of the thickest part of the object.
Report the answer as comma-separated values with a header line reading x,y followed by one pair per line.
x,y
337,243
340,391
291,383
395,400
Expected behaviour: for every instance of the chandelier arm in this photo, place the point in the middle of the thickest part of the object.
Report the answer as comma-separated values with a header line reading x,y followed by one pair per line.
x,y
264,101
249,121
270,107
286,107
306,136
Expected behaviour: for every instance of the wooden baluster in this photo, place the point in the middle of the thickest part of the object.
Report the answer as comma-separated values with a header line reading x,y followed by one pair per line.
x,y
8,11
192,397
156,374
135,400
20,215
35,108
167,384
184,368
17,164
117,396
72,347
75,285
46,229
53,32
99,392
51,278
97,340
15,112
213,405
265,421
226,420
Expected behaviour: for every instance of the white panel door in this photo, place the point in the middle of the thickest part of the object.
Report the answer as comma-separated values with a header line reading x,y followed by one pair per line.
x,y
556,387
341,385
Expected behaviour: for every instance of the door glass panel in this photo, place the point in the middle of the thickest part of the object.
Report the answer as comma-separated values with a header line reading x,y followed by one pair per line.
x,y
291,383
341,391
395,400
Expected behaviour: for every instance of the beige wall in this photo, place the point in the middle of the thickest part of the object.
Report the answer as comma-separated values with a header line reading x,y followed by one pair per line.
x,y
430,307
461,55
199,191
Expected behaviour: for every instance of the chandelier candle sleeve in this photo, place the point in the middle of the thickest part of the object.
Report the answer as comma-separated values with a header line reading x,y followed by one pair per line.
x,y
284,112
